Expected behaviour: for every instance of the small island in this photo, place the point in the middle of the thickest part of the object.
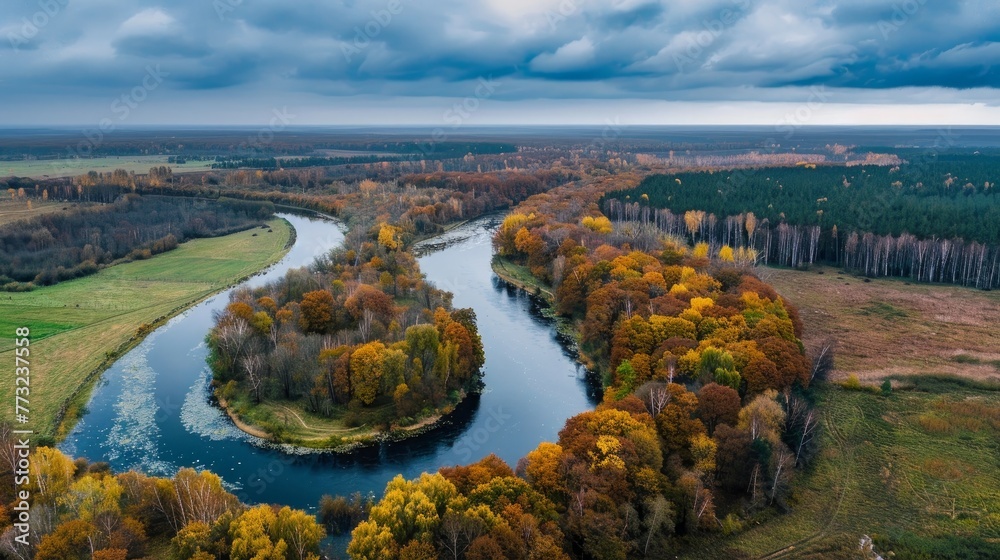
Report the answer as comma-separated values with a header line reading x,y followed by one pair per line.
x,y
354,349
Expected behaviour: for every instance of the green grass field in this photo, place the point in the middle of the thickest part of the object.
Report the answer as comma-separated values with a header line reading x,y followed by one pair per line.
x,y
76,326
919,464
71,167
918,470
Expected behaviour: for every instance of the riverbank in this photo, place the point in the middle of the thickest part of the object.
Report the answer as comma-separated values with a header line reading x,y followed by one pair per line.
x,y
521,278
79,328
289,424
297,423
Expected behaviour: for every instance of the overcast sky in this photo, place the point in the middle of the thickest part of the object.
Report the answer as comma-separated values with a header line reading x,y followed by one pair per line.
x,y
499,61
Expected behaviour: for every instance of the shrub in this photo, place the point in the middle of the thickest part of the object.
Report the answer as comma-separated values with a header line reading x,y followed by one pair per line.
x,y
886,388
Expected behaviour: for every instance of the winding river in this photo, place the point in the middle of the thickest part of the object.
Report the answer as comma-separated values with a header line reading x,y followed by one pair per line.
x,y
151,410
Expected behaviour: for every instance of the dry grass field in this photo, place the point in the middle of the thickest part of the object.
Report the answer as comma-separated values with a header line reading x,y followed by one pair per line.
x,y
917,469
13,211
891,328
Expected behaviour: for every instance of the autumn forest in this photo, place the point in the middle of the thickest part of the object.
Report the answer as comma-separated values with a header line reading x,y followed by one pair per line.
x,y
716,398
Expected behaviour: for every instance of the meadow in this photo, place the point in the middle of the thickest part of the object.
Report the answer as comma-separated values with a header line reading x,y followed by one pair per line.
x,y
916,468
79,327
15,210
67,167
889,328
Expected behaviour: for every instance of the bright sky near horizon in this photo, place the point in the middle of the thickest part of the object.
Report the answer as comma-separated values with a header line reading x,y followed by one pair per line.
x,y
400,62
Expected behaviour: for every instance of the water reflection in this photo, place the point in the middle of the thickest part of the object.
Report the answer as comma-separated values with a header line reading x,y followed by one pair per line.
x,y
532,384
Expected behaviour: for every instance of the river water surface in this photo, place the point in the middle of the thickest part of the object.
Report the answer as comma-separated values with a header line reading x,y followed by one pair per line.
x,y
151,410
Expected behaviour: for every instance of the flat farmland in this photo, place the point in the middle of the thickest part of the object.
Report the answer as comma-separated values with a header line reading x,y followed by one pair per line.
x,y
52,168
76,326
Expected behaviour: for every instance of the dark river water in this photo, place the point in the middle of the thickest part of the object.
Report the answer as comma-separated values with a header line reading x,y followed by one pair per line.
x,y
151,411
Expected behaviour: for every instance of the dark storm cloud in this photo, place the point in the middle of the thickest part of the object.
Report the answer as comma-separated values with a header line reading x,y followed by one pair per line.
x,y
660,49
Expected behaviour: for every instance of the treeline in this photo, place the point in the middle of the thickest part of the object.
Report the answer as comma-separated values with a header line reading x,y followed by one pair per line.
x,y
927,221
237,162
60,246
83,511
361,331
952,196
398,152
706,415
922,260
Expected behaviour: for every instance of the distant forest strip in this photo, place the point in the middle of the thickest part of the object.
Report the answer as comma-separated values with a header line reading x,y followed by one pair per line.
x,y
61,246
932,222
246,142
414,151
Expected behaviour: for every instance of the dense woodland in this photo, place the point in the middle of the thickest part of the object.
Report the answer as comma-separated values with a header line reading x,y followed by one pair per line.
x,y
60,246
360,335
707,414
705,419
399,152
83,511
359,330
932,221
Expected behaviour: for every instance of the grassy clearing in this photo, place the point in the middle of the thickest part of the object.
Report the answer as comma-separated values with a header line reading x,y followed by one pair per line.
x,y
346,427
78,327
520,276
890,328
73,167
290,422
917,470
13,211
911,466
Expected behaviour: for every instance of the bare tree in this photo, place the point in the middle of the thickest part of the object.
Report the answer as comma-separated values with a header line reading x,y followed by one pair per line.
x,y
823,361
234,337
253,366
655,396
659,517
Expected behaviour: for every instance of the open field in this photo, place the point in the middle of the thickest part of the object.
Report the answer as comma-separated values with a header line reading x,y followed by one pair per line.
x,y
919,464
71,167
77,326
918,469
291,422
12,211
888,328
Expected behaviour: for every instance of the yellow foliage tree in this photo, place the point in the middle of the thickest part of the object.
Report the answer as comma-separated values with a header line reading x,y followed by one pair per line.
x,y
366,371
251,536
389,237
600,224
703,452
